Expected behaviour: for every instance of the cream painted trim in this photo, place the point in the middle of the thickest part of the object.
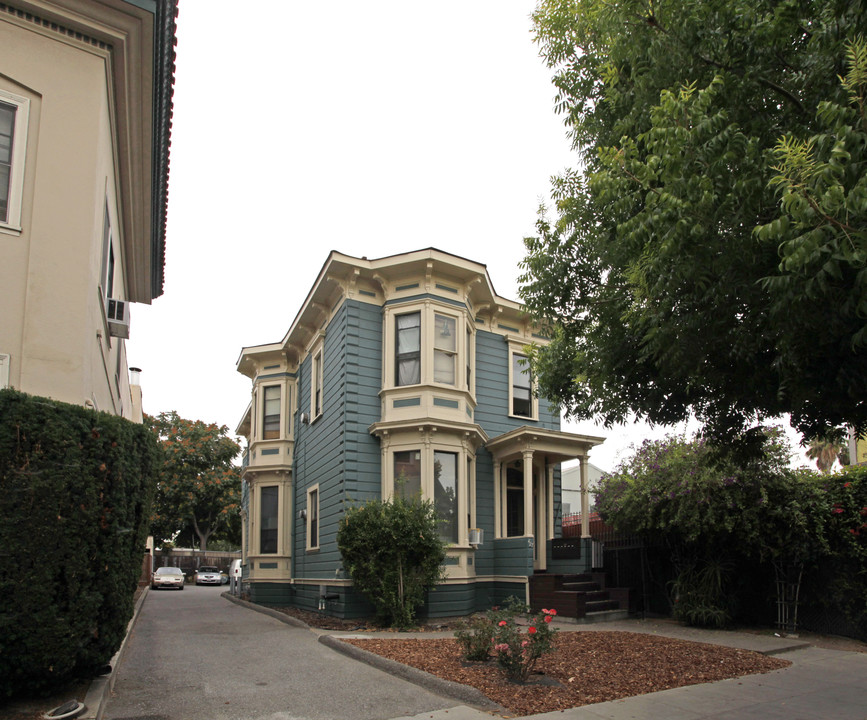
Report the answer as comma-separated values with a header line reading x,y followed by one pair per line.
x,y
12,223
428,309
517,348
309,518
427,442
317,377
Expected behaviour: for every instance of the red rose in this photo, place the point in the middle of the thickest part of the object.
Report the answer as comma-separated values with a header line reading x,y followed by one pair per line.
x,y
531,630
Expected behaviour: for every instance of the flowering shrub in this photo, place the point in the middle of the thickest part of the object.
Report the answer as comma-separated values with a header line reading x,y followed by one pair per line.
x,y
475,636
519,644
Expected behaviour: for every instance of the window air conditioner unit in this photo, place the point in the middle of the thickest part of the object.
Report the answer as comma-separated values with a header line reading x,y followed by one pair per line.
x,y
118,318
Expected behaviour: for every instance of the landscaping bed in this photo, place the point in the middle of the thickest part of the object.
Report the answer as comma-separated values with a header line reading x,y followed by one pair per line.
x,y
584,668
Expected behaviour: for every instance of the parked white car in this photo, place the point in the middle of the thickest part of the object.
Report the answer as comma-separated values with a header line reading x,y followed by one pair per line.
x,y
168,577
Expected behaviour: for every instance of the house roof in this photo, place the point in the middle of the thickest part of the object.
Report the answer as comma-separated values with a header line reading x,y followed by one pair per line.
x,y
341,273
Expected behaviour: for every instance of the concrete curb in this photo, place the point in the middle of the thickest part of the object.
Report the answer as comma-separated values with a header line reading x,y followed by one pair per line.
x,y
101,686
276,614
463,693
446,688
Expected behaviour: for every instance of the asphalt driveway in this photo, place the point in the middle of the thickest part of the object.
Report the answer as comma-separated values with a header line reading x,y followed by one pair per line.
x,y
193,655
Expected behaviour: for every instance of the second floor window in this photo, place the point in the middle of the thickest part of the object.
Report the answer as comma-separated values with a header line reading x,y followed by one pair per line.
x,y
317,384
445,349
408,349
271,412
522,395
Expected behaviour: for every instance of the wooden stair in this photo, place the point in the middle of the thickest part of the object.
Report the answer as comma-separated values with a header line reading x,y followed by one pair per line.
x,y
583,597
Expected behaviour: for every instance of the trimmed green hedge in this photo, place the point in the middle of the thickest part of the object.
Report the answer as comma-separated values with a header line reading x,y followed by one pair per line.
x,y
75,492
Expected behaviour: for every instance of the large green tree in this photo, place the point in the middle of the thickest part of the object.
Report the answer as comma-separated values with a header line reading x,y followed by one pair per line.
x,y
199,487
709,257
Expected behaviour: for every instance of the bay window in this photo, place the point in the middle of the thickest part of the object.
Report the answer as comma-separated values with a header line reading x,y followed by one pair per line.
x,y
445,349
271,412
269,501
445,494
408,349
407,473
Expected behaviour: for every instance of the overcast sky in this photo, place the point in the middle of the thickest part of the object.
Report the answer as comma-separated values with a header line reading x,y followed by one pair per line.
x,y
371,128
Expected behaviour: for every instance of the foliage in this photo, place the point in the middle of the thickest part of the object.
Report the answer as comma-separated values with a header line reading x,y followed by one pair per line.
x,y
846,588
518,645
75,493
827,449
393,552
475,636
710,258
711,510
199,487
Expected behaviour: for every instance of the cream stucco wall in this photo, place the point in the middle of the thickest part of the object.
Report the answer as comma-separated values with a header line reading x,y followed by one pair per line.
x,y
53,323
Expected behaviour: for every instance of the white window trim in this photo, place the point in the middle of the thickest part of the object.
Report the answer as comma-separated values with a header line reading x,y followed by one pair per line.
x,y
427,451
281,403
517,348
428,310
12,225
309,520
317,381
259,490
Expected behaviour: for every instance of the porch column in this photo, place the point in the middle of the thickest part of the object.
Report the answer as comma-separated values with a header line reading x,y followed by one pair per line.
x,y
528,492
498,501
585,499
550,493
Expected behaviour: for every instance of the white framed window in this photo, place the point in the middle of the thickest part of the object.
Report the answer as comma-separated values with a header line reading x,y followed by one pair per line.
x,y
317,387
439,473
313,518
269,519
106,277
522,402
14,113
428,343
271,397
446,493
407,361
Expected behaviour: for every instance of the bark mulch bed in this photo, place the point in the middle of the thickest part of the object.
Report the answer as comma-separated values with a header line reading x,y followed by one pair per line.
x,y
584,668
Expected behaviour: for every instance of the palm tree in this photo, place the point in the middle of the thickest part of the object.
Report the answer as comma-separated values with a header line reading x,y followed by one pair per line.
x,y
826,449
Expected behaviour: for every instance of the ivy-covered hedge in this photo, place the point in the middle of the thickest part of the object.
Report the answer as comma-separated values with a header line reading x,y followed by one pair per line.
x,y
75,492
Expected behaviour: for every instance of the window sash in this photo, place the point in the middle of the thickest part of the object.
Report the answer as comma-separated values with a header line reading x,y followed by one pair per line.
x,y
407,473
313,518
408,349
522,398
7,142
271,412
317,384
269,500
446,494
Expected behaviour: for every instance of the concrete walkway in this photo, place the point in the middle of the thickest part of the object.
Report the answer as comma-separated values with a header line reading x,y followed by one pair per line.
x,y
819,685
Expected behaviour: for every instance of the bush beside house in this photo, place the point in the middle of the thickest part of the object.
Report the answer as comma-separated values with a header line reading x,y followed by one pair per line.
x,y
75,493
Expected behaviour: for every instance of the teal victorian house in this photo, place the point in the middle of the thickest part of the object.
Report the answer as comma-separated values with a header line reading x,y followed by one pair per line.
x,y
404,373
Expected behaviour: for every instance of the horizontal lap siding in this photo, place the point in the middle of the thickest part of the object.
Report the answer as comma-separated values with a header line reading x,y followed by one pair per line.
x,y
319,454
363,382
492,413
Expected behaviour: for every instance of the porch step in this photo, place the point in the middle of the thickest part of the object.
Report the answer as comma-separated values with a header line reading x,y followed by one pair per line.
x,y
577,596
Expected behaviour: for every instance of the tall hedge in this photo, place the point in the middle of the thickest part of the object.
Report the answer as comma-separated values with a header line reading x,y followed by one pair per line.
x,y
75,492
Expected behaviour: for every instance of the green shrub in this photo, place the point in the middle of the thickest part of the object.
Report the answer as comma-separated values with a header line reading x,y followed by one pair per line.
x,y
393,553
75,493
475,636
